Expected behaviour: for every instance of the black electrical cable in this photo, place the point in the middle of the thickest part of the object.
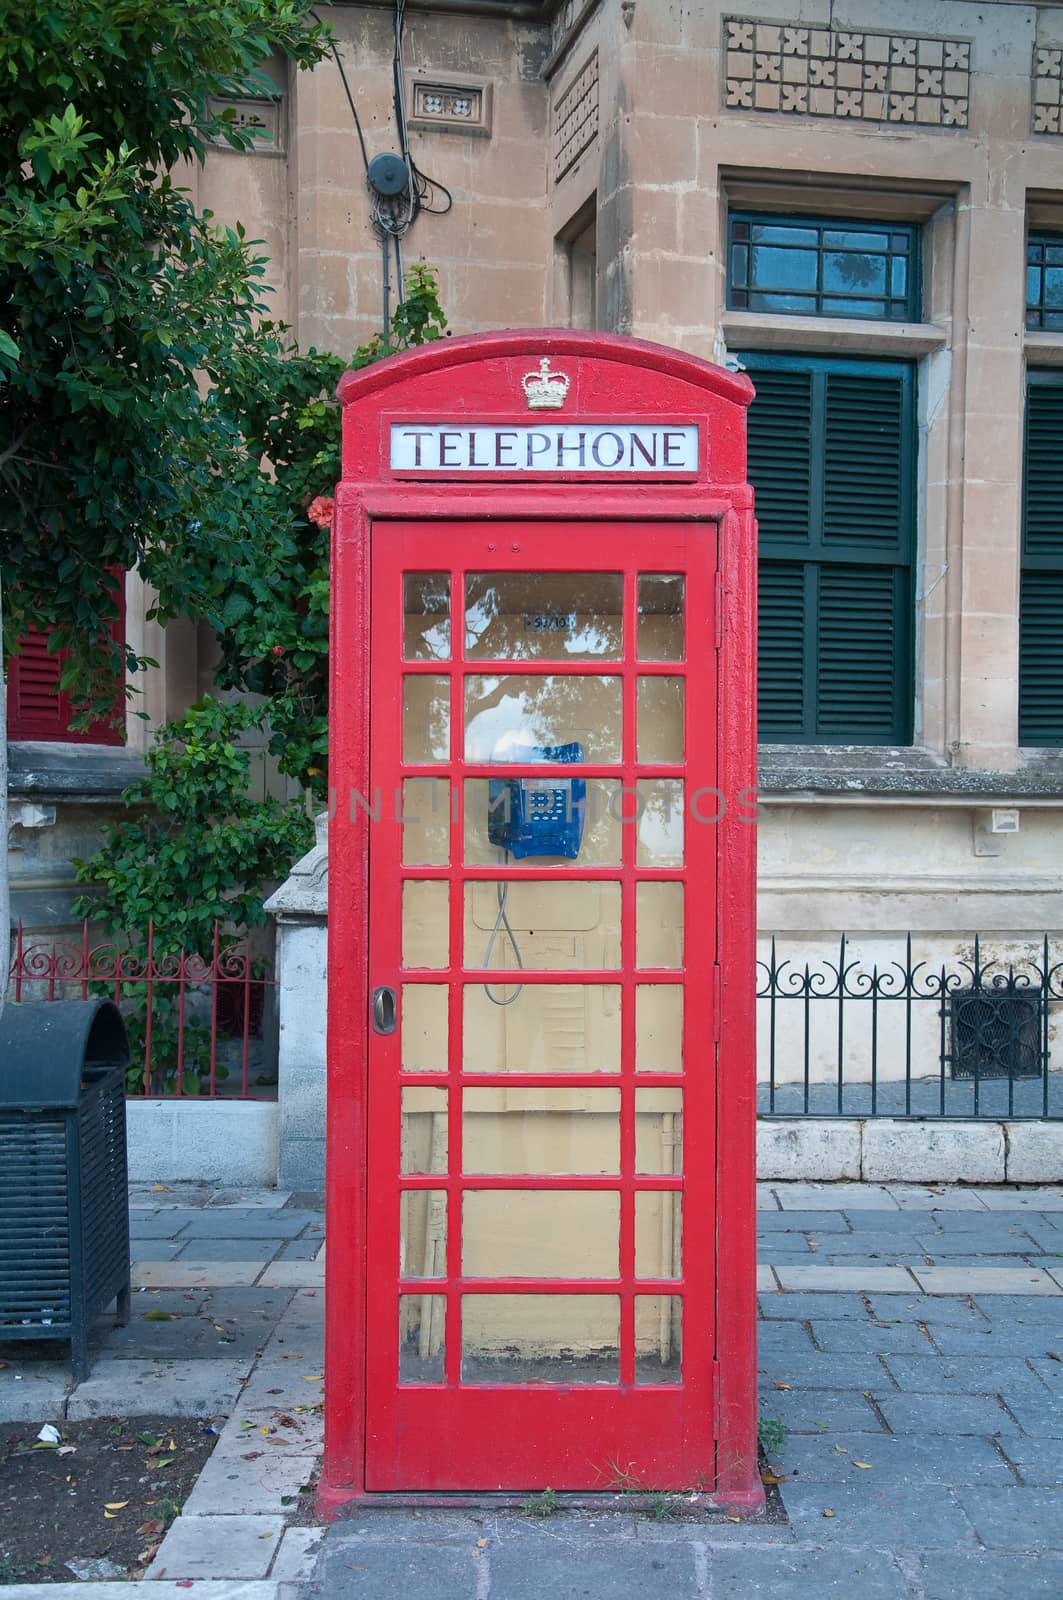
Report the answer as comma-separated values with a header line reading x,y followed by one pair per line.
x,y
347,91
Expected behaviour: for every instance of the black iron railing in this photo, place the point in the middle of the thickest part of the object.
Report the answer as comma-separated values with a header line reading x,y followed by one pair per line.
x,y
861,1034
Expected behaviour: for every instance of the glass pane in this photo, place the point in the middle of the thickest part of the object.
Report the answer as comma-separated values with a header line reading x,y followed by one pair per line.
x,y
659,1132
423,1233
425,924
660,618
423,1026
512,923
540,1233
659,925
516,718
540,1338
488,806
854,272
427,616
544,616
658,1027
660,809
784,268
541,1130
658,1338
425,718
658,1233
422,1343
424,1129
564,1027
425,822
661,703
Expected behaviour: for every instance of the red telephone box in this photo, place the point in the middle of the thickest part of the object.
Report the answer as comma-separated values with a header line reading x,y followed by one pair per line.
x,y
541,1035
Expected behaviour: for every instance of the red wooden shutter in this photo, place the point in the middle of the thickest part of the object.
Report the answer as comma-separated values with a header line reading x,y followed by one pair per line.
x,y
38,709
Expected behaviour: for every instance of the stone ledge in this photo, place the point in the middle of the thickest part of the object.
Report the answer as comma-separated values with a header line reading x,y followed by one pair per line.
x,y
886,1149
86,773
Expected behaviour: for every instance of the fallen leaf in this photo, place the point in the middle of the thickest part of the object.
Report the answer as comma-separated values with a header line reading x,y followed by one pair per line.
x,y
828,1513
159,1188
865,1466
1053,1355
779,1385
166,1461
110,1516
159,1316
314,1377
265,1536
116,1505
156,1525
843,1448
67,1450
480,1543
773,1477
734,1519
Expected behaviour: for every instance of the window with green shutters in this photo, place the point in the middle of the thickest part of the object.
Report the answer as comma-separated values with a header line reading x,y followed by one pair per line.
x,y
1041,591
832,461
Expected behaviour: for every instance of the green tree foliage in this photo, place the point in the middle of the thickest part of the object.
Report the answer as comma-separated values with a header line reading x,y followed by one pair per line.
x,y
123,312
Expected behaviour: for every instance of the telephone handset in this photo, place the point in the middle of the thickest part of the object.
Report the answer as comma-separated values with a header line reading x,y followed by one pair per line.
x,y
539,816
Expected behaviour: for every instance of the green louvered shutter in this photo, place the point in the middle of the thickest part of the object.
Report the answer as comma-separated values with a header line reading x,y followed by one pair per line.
x,y
1041,599
831,457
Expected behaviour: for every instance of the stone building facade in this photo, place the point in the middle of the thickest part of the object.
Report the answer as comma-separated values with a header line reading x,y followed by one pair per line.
x,y
859,194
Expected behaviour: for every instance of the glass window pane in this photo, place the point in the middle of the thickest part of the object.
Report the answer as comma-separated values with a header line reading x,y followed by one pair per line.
x,y
784,269
512,923
659,1131
427,616
425,923
424,1129
1053,280
425,718
516,718
795,304
834,307
541,1130
423,1233
658,1027
853,272
540,1338
658,1233
540,1233
785,234
660,617
544,616
422,1338
739,263
823,269
658,1338
659,925
599,812
565,1027
660,723
423,1026
660,802
425,822
898,275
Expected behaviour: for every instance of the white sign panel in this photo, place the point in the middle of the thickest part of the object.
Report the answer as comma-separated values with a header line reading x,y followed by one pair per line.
x,y
613,447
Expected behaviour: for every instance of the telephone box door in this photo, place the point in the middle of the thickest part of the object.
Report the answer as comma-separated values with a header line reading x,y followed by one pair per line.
x,y
541,1101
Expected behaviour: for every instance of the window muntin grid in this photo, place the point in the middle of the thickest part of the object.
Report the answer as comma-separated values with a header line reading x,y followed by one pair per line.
x,y
823,267
1044,280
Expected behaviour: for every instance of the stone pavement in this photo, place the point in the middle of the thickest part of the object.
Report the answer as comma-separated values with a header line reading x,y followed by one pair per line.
x,y
911,1343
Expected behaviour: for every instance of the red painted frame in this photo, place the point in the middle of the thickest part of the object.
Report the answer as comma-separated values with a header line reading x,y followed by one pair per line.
x,y
475,378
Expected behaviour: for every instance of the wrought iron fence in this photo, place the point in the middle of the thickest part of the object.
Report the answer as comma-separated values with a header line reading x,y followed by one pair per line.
x,y
862,1033
200,1025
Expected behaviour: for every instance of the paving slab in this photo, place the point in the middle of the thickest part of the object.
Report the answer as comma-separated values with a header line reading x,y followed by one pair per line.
x,y
297,1556
304,1249
866,1243
990,1576
1016,1339
958,1310
963,1374
835,1197
118,1388
803,1306
769,1223
818,1370
897,1222
1015,1518
820,1411
890,1517
1017,1308
783,1338
194,1274
832,1458
282,1384
293,1274
853,1279
32,1390
1031,1197
351,1569
249,1476
844,1336
201,1249
766,1200
1041,1416
920,1197
204,1590
791,1574
1037,1461
156,1224
219,1223
947,1414
142,1251
766,1279
207,1547
985,1280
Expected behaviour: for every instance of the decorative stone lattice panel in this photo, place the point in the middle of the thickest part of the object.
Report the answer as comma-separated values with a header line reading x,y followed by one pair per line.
x,y
1047,107
576,118
895,78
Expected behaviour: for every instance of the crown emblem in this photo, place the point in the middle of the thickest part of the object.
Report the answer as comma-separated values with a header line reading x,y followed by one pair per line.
x,y
545,390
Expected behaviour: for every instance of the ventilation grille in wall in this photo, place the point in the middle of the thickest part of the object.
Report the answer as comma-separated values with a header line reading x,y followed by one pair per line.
x,y
442,104
260,117
996,1033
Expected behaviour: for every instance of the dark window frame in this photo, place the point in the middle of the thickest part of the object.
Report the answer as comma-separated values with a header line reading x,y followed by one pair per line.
x,y
897,307
1041,578
1042,317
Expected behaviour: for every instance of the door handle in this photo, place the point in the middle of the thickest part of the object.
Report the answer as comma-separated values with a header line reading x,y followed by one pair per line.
x,y
384,1010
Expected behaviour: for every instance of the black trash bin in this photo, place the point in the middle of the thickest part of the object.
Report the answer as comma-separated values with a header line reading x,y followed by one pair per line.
x,y
64,1206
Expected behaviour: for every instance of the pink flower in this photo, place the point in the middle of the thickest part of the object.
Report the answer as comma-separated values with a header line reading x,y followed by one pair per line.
x,y
320,510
